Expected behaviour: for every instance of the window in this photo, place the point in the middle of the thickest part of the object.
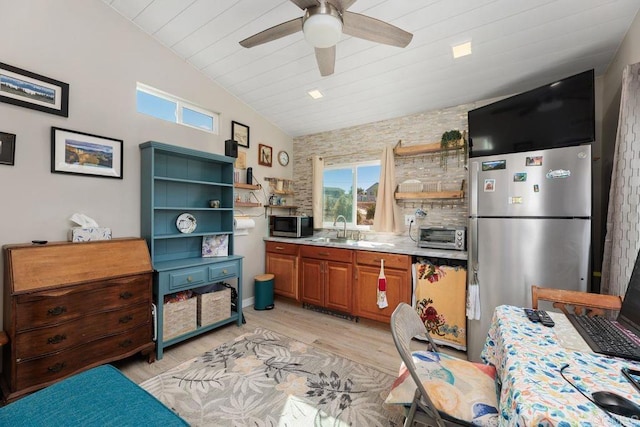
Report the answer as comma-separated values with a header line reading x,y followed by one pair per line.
x,y
173,109
351,191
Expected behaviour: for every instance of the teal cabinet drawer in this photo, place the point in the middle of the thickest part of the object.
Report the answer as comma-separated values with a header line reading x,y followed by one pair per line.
x,y
187,278
222,271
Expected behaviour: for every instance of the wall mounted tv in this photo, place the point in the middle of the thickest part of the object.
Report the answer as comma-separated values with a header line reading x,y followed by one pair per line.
x,y
555,115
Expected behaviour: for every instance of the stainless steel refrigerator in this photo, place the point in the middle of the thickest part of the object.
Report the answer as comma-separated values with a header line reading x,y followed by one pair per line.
x,y
529,224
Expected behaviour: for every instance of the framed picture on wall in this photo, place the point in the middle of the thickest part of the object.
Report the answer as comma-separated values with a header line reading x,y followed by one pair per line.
x,y
240,134
31,90
265,155
7,148
85,154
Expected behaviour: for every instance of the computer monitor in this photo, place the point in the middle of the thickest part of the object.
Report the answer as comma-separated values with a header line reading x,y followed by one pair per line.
x,y
629,314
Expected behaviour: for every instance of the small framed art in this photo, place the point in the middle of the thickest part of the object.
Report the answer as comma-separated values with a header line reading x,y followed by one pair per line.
x,y
240,134
265,154
85,154
31,90
7,148
216,245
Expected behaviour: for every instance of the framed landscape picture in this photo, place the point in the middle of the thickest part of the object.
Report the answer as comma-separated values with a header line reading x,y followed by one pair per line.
x,y
85,154
31,90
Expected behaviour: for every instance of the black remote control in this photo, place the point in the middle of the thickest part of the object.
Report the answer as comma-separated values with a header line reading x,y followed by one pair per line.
x,y
532,315
545,319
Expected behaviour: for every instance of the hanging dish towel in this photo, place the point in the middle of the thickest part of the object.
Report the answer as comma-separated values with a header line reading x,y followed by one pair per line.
x,y
382,287
440,294
473,298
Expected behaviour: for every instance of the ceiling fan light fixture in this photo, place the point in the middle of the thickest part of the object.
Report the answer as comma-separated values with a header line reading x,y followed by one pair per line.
x,y
322,26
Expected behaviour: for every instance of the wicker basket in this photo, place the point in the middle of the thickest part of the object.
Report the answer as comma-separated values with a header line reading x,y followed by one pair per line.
x,y
179,318
214,306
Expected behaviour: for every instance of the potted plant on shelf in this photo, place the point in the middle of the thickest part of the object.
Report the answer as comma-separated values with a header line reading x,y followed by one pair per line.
x,y
453,139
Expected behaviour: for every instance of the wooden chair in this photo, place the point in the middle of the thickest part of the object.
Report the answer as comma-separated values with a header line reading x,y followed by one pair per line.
x,y
582,302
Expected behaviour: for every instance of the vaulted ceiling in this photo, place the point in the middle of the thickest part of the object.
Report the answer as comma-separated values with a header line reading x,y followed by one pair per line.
x,y
517,45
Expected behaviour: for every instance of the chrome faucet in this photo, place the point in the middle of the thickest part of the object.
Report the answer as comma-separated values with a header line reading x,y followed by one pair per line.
x,y
344,229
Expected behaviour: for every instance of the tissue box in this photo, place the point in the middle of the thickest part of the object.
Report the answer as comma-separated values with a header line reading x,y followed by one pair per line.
x,y
86,234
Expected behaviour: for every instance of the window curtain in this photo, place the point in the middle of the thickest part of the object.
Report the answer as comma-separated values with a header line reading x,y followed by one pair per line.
x,y
317,164
622,240
387,215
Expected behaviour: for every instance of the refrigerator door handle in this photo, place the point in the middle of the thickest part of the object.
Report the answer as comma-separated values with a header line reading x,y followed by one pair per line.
x,y
473,189
473,245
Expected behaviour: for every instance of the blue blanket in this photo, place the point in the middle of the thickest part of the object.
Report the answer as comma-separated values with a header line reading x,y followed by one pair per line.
x,y
101,396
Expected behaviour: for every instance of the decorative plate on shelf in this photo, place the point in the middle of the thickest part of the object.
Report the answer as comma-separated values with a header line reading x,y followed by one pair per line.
x,y
186,223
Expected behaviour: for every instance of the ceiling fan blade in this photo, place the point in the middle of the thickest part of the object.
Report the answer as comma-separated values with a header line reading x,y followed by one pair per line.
x,y
326,58
342,5
273,33
372,29
305,4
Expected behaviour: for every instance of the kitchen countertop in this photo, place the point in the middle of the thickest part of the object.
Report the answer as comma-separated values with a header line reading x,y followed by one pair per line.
x,y
395,246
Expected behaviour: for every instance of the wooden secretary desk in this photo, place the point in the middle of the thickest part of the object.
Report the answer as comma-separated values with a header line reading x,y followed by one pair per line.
x,y
72,306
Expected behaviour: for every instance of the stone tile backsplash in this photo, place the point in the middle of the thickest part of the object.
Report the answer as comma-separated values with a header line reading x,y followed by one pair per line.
x,y
365,142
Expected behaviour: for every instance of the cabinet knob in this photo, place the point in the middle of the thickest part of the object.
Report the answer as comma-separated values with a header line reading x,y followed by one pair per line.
x,y
126,295
323,253
56,368
126,343
280,248
125,319
189,279
56,339
224,271
57,311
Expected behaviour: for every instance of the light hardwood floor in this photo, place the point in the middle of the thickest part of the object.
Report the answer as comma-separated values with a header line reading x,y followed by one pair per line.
x,y
366,342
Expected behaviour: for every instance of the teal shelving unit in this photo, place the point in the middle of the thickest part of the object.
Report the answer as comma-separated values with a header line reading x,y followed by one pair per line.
x,y
177,180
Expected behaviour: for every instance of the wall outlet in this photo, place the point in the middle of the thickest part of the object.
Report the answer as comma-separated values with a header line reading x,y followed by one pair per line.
x,y
408,219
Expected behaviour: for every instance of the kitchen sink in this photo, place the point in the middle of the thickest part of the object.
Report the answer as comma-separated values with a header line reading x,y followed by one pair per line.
x,y
334,240
350,242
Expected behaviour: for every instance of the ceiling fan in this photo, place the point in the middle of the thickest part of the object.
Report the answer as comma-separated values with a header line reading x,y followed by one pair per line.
x,y
323,23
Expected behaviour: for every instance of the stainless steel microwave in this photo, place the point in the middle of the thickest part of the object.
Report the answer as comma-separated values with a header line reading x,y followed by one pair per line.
x,y
290,226
454,238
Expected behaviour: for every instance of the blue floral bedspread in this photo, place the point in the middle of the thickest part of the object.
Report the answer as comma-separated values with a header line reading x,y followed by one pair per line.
x,y
528,358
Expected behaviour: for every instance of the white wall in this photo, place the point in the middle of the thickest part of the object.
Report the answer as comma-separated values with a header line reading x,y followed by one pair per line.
x,y
102,56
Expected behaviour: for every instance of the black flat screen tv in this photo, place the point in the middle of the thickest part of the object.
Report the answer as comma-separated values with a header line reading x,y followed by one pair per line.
x,y
555,115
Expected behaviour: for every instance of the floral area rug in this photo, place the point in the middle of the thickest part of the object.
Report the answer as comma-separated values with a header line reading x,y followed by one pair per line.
x,y
266,379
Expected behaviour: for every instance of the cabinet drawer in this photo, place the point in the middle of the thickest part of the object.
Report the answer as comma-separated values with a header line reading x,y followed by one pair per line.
x,y
321,252
43,341
62,305
221,271
59,365
189,278
282,248
402,262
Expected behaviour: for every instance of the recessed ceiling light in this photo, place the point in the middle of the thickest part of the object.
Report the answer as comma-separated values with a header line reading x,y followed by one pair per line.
x,y
462,49
315,94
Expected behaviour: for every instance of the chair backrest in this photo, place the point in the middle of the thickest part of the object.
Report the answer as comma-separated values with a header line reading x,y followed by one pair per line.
x,y
582,302
405,324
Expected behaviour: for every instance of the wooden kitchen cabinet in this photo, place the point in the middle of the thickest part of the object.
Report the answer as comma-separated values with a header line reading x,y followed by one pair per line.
x,y
282,261
326,277
397,270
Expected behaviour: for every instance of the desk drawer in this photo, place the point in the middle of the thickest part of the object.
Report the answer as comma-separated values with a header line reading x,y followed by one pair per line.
x,y
47,340
187,278
62,364
222,271
62,305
